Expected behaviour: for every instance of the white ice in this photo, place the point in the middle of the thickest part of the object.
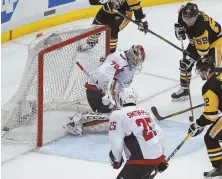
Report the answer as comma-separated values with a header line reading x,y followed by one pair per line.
x,y
158,80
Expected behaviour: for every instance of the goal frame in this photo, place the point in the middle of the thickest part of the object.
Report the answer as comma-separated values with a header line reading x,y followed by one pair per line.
x,y
41,54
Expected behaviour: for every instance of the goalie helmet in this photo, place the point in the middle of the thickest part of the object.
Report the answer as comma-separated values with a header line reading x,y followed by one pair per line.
x,y
190,13
205,66
127,96
135,55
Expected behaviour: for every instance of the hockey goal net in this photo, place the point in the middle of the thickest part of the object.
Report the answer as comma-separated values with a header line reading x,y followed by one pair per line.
x,y
52,82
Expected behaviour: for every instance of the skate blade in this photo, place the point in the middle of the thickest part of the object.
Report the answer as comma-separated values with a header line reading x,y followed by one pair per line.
x,y
180,99
75,133
218,177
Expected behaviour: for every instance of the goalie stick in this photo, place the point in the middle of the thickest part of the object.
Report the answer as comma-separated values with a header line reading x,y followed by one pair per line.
x,y
160,118
109,85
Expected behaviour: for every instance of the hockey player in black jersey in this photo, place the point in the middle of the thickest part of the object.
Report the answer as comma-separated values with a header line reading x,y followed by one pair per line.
x,y
212,95
205,38
106,16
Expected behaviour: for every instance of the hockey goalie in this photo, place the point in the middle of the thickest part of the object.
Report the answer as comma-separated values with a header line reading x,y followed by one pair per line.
x,y
103,87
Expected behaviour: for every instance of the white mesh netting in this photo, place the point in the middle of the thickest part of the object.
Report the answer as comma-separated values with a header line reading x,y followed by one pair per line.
x,y
63,87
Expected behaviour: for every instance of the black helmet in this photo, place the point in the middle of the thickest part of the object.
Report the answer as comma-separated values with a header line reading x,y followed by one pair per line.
x,y
190,13
205,64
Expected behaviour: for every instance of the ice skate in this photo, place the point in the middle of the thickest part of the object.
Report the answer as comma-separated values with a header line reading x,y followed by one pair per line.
x,y
181,95
75,126
216,173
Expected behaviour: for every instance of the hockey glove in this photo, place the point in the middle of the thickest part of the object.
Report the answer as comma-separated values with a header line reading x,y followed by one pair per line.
x,y
195,129
186,63
180,31
115,165
142,24
106,101
107,5
162,166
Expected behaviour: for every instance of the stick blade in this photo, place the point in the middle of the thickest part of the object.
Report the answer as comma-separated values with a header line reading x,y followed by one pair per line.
x,y
156,114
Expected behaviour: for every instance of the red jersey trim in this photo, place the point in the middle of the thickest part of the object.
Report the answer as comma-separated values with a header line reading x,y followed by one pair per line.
x,y
92,87
146,161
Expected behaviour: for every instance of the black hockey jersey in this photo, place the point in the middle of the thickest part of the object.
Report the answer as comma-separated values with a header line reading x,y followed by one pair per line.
x,y
212,95
204,34
126,7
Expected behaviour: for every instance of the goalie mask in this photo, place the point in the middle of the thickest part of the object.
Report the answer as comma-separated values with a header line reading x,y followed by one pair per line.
x,y
135,56
128,96
205,66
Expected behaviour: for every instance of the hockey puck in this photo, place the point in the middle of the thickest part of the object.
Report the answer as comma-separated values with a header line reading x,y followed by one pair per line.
x,y
191,119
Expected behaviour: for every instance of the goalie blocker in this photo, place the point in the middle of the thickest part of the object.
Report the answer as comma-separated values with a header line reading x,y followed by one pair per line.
x,y
106,82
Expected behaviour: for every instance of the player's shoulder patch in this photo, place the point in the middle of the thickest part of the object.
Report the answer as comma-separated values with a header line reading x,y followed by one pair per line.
x,y
219,77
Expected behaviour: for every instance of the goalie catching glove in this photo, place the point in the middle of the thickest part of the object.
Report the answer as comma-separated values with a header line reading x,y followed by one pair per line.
x,y
115,165
107,102
142,24
108,98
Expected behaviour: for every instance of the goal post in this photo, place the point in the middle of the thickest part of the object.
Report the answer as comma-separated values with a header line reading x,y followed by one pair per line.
x,y
52,82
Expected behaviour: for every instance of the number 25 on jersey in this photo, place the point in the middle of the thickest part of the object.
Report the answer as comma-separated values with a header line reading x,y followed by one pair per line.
x,y
148,132
112,126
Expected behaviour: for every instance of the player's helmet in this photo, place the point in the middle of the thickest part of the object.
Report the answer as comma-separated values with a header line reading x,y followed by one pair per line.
x,y
205,66
190,13
135,55
128,96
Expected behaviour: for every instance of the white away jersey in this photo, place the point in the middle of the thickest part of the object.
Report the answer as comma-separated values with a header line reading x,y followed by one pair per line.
x,y
133,130
115,63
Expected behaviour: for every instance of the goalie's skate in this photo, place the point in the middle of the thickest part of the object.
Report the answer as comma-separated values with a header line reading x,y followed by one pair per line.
x,y
216,173
75,126
181,95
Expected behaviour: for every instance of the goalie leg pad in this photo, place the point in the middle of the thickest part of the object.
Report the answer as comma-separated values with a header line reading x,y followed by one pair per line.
x,y
75,126
90,122
96,122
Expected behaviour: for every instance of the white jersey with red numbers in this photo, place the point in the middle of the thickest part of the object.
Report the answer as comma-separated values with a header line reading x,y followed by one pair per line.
x,y
133,131
115,65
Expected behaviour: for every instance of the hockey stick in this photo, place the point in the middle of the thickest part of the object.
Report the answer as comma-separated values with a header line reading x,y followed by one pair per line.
x,y
191,118
189,135
179,146
109,85
153,33
160,118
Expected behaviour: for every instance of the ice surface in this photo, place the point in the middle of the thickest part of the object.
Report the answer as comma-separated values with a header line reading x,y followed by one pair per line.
x,y
157,81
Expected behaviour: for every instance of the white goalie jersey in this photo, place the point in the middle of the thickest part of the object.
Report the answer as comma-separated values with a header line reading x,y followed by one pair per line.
x,y
115,67
135,132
